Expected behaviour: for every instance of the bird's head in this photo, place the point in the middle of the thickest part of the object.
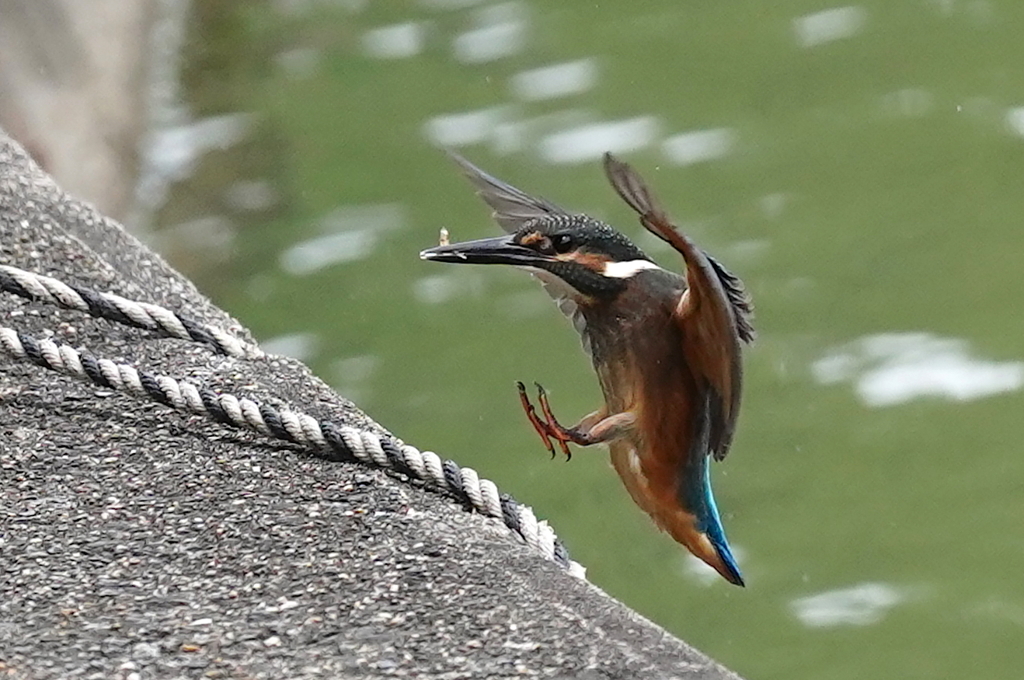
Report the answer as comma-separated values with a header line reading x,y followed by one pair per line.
x,y
593,261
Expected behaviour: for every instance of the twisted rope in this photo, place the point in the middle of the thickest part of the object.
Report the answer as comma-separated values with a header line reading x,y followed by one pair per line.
x,y
324,438
115,308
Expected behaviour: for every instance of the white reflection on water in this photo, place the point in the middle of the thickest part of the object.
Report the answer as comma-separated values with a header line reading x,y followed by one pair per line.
x,y
299,346
513,135
859,605
828,25
1015,120
589,142
396,41
557,80
700,145
893,368
314,254
465,127
356,231
174,151
500,31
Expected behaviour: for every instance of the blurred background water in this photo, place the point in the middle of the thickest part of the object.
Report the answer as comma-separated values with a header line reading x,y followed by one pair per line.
x,y
860,166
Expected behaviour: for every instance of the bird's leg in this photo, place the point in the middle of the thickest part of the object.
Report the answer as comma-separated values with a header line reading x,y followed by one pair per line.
x,y
592,429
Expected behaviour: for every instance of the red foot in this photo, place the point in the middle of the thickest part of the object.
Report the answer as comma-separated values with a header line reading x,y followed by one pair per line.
x,y
548,428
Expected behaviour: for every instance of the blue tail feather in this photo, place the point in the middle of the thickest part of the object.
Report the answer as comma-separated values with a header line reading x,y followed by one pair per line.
x,y
700,500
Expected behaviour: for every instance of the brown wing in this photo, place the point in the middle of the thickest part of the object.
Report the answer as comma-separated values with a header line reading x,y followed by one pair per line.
x,y
631,188
713,313
512,208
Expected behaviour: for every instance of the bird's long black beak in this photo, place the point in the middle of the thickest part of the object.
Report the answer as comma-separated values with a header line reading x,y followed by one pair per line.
x,y
497,250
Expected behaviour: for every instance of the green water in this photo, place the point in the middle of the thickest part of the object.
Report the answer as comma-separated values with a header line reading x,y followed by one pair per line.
x,y
868,186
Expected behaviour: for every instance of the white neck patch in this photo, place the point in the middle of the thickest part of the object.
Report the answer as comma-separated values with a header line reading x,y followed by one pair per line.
x,y
625,270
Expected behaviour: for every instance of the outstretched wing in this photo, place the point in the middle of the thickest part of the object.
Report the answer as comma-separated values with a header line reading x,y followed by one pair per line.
x,y
714,312
631,188
513,209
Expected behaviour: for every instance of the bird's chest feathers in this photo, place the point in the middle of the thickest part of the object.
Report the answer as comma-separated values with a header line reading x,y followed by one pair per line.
x,y
639,353
634,347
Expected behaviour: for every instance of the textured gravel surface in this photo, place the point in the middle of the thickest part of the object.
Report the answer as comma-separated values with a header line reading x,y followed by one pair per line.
x,y
136,542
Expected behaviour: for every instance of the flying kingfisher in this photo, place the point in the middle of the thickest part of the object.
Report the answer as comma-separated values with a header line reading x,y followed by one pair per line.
x,y
666,348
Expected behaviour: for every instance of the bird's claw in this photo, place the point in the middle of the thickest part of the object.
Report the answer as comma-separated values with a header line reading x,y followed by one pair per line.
x,y
548,428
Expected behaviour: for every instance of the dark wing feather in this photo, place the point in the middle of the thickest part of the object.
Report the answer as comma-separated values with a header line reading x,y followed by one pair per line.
x,y
742,305
634,192
512,208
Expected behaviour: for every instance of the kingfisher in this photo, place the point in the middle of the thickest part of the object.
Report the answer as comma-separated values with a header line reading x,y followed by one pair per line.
x,y
667,349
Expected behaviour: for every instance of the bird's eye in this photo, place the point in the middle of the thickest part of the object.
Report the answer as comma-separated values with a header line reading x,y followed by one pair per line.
x,y
562,243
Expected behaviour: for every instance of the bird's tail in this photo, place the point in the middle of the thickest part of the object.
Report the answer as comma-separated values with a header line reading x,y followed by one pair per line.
x,y
697,524
709,525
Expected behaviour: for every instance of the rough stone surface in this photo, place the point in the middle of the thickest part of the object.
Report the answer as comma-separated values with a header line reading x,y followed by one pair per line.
x,y
136,542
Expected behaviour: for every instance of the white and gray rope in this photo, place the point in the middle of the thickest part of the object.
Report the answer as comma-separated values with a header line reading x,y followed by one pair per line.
x,y
324,438
122,310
